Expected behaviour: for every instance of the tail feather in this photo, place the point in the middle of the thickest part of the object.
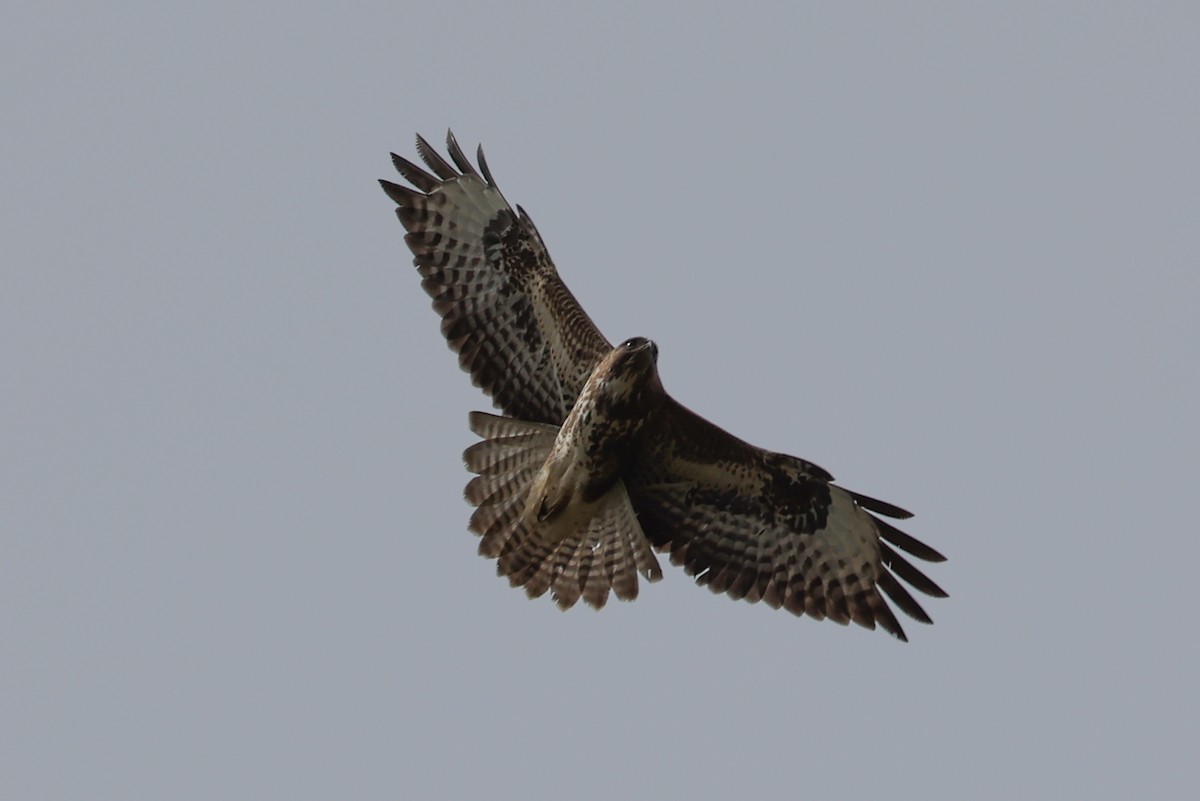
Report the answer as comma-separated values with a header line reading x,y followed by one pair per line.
x,y
506,462
568,584
605,554
529,563
595,579
494,427
497,523
487,490
494,456
620,562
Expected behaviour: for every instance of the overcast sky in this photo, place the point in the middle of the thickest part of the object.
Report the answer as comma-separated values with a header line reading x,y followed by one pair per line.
x,y
947,251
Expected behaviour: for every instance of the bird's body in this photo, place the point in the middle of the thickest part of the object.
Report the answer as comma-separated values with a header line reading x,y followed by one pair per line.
x,y
594,465
601,435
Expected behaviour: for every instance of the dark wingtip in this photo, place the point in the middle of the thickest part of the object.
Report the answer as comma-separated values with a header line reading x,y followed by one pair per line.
x,y
430,156
907,571
457,156
401,195
881,507
887,621
423,146
907,542
483,167
414,174
901,597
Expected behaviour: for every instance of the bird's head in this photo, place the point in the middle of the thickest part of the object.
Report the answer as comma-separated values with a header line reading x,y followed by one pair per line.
x,y
635,359
628,378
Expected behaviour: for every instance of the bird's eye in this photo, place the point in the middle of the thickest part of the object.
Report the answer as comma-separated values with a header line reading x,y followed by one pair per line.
x,y
633,342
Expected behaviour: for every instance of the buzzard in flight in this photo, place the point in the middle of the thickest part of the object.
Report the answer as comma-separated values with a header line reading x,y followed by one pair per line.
x,y
593,466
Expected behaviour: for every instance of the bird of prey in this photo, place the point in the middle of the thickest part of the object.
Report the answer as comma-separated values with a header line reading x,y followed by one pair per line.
x,y
592,466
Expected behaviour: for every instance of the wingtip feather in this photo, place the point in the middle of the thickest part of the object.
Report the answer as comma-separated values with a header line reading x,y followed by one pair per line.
x,y
414,174
439,165
483,167
457,156
907,542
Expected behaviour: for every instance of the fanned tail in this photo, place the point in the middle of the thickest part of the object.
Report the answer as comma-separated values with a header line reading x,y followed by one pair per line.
x,y
606,552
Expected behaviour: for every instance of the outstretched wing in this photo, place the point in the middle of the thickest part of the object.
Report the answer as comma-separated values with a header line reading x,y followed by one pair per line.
x,y
516,327
768,527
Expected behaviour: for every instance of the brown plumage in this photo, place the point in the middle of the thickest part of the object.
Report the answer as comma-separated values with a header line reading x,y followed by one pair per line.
x,y
594,465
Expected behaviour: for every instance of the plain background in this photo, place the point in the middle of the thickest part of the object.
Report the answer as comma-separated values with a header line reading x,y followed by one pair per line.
x,y
947,251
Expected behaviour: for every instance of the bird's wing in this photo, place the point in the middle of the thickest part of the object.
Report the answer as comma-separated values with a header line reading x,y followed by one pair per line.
x,y
516,327
763,526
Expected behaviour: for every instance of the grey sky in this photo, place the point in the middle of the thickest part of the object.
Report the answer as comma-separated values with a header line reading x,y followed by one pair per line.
x,y
947,251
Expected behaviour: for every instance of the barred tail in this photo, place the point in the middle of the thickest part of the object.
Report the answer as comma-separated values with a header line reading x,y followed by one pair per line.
x,y
607,552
